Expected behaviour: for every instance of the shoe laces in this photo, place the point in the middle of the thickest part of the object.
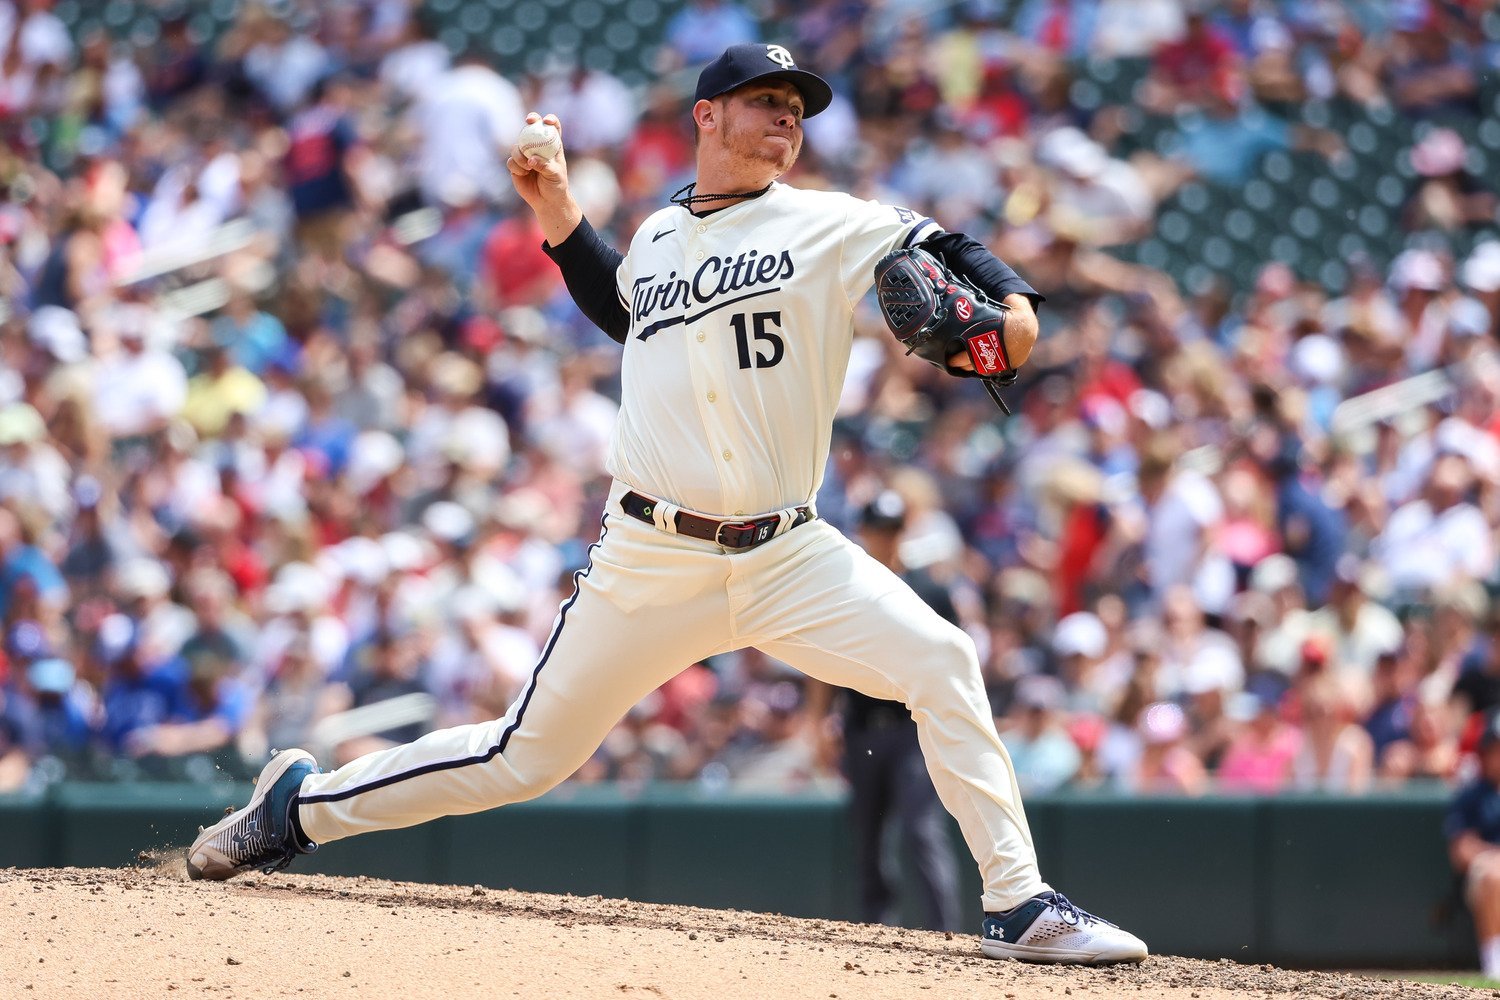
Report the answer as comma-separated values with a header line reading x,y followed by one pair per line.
x,y
1071,912
280,863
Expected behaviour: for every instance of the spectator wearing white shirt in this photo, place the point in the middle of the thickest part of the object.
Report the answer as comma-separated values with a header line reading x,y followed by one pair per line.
x,y
44,39
467,119
454,428
944,173
578,427
1285,627
191,199
416,61
1359,629
32,473
1110,194
1183,508
1189,648
1440,537
284,65
598,108
1131,28
140,388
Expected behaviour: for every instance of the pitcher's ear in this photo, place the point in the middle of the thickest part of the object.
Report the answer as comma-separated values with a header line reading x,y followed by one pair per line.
x,y
705,115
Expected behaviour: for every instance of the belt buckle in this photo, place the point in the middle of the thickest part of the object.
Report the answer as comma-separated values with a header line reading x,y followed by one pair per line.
x,y
762,531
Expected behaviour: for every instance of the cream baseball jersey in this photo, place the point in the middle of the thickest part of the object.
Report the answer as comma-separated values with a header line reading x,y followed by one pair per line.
x,y
740,329
736,329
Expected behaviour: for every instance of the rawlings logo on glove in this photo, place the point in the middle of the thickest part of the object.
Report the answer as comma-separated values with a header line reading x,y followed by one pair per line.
x,y
938,317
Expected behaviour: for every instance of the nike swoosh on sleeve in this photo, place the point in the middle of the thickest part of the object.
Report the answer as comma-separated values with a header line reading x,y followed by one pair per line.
x,y
664,232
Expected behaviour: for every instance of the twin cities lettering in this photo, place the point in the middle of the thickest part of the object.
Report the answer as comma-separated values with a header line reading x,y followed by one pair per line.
x,y
672,299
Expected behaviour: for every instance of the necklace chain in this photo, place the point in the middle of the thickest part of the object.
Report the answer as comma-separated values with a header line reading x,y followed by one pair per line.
x,y
694,199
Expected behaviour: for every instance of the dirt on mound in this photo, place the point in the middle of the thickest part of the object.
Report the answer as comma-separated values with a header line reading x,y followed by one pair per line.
x,y
147,932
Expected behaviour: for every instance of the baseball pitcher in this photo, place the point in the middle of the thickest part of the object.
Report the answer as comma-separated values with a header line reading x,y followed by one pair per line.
x,y
734,307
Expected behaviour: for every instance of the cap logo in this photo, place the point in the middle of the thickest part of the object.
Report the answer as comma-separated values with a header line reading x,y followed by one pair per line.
x,y
780,56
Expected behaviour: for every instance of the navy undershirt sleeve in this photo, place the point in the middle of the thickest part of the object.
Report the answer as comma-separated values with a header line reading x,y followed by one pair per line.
x,y
588,266
969,259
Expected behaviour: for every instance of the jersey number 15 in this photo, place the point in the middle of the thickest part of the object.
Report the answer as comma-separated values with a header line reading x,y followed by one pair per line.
x,y
762,324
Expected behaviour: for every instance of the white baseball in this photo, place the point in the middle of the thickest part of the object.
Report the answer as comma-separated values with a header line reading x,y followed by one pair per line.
x,y
540,140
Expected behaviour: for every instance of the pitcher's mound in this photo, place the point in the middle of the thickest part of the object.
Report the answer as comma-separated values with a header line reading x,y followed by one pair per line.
x,y
148,933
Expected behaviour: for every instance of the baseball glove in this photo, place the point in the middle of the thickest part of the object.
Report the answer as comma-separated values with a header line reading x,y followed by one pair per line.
x,y
937,316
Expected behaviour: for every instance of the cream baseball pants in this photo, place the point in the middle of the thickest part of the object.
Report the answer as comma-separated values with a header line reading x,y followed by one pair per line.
x,y
649,604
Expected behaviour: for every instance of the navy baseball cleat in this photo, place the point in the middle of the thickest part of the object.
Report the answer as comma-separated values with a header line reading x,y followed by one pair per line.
x,y
261,835
1049,928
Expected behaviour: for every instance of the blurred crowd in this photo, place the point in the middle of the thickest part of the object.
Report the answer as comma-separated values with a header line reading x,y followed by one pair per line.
x,y
301,438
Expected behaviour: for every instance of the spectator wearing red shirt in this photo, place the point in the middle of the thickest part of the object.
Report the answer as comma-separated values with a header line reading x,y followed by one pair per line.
x,y
514,270
1185,68
658,150
999,109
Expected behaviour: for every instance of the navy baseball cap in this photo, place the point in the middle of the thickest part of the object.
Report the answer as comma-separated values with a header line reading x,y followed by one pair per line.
x,y
742,64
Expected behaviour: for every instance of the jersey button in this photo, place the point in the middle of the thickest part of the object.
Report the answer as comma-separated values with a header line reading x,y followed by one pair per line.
x,y
702,229
728,455
712,397
700,254
739,513
700,338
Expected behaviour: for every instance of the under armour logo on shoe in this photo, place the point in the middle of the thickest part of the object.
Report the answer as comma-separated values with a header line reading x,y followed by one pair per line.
x,y
241,840
780,56
995,931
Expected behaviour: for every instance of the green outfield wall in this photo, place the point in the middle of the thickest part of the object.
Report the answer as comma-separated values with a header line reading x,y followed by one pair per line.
x,y
1300,881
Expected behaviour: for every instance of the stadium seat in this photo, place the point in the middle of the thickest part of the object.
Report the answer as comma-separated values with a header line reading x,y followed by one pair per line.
x,y
1361,138
1350,244
1240,225
621,37
1287,249
1489,134
1085,95
644,13
564,37
1152,252
1173,227
1332,274
1218,253
587,14
117,14
1316,114
1100,69
1259,195
1193,197
1323,192
1373,222
474,20
1277,166
530,17
1306,223
506,41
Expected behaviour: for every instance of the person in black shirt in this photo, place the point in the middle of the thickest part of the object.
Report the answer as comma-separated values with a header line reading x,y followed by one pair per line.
x,y
890,790
1472,828
1478,685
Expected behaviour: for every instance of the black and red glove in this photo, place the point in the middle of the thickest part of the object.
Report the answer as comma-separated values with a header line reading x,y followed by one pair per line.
x,y
937,316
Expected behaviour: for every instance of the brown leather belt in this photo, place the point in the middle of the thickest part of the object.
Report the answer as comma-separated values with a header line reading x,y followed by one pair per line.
x,y
732,533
